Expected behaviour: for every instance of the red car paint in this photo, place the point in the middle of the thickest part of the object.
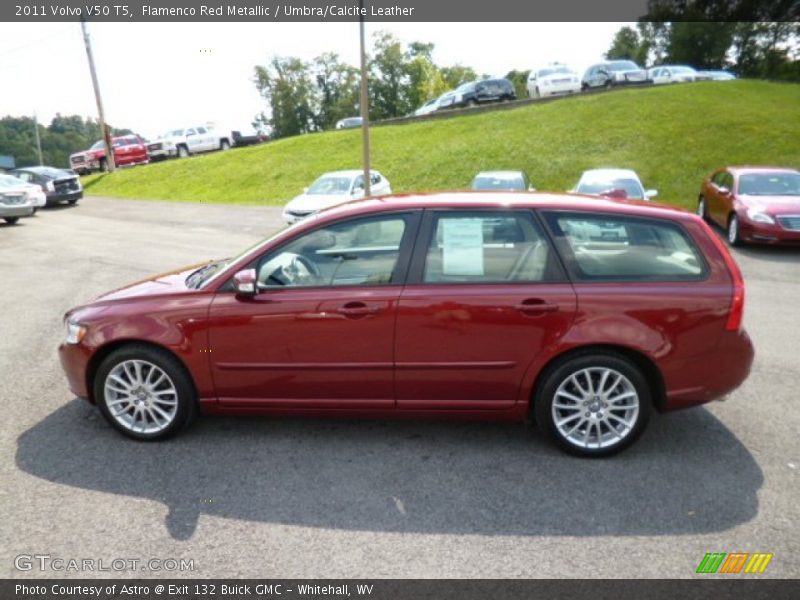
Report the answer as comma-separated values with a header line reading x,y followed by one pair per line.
x,y
128,150
426,350
721,191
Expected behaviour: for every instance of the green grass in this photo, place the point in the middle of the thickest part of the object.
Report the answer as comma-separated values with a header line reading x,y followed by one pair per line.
x,y
672,136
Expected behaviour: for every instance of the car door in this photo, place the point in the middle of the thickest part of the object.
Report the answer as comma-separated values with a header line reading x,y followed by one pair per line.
x,y
193,141
719,193
485,295
320,331
206,139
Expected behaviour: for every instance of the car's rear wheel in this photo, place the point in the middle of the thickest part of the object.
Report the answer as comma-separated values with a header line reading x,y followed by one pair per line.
x,y
224,145
471,103
145,393
734,237
702,209
594,404
11,220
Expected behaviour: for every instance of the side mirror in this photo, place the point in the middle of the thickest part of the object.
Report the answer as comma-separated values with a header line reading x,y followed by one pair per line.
x,y
723,191
651,193
244,283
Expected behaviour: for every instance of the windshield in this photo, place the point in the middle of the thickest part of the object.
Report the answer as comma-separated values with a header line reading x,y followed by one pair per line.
x,y
631,187
97,145
683,70
554,71
465,87
9,181
330,185
623,65
491,182
770,184
126,141
175,133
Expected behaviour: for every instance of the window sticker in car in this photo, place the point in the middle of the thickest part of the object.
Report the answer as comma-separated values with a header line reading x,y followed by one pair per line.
x,y
462,252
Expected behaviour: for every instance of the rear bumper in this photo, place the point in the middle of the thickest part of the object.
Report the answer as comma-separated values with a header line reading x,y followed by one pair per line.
x,y
701,379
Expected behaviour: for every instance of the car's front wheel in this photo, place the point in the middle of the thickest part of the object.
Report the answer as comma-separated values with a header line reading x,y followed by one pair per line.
x,y
593,404
183,151
11,220
144,392
734,237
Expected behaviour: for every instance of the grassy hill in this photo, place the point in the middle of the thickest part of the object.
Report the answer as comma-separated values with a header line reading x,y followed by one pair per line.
x,y
672,136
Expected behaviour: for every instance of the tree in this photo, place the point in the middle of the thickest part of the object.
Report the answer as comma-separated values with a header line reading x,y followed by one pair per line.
x,y
456,75
338,89
519,80
703,45
287,87
388,78
626,45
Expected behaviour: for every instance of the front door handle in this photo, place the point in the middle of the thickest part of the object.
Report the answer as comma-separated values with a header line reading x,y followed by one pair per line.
x,y
357,309
537,306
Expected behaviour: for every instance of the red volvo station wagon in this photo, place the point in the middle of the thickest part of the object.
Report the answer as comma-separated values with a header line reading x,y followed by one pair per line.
x,y
582,315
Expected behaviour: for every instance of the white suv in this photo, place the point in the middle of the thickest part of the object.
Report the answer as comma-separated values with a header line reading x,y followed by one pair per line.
x,y
552,81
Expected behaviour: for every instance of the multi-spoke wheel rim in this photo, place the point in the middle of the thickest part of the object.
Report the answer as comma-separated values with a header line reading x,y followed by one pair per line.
x,y
141,397
595,407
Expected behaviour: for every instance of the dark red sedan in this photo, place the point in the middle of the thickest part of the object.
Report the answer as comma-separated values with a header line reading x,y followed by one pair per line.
x,y
580,314
753,204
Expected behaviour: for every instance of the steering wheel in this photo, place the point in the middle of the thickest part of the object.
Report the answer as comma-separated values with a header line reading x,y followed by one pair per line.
x,y
294,271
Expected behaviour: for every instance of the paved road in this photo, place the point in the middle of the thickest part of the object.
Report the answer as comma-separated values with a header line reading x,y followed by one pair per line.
x,y
296,498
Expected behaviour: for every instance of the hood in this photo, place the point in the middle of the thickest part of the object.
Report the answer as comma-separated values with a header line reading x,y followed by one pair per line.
x,y
315,202
773,205
172,282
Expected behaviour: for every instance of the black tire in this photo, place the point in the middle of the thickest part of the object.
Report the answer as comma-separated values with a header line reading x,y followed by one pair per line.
x,y
471,103
702,208
73,201
537,93
177,376
183,151
560,372
732,231
103,165
11,220
608,84
224,145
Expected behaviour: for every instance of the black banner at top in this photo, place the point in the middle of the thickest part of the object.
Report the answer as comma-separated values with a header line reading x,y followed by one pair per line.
x,y
398,10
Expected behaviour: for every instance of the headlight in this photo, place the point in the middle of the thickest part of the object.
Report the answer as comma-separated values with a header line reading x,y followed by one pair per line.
x,y
759,217
50,186
75,332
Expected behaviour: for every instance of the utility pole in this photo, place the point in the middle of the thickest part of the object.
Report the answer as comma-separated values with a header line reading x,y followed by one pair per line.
x,y
364,102
103,127
38,139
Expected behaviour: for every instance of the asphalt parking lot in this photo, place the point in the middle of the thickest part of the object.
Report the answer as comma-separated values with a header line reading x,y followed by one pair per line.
x,y
309,498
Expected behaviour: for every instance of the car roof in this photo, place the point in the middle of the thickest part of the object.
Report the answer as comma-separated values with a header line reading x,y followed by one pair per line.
x,y
501,174
738,169
503,200
609,174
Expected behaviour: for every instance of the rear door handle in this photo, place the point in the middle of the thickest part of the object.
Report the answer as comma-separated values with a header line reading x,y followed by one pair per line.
x,y
536,306
357,309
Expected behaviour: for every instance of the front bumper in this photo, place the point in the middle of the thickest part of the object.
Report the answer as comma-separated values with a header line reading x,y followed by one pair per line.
x,y
74,360
766,233
559,89
15,210
55,197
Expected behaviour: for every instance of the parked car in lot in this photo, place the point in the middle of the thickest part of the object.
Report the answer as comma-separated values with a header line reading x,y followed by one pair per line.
x,y
429,107
57,185
753,204
673,74
190,140
34,192
613,183
349,123
553,81
612,73
482,92
332,189
717,75
128,150
440,305
498,181
15,199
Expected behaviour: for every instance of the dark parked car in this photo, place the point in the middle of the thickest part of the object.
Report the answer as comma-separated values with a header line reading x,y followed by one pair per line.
x,y
482,92
613,73
581,314
58,185
753,204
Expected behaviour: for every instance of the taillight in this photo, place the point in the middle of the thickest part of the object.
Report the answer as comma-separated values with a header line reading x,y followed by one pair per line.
x,y
736,310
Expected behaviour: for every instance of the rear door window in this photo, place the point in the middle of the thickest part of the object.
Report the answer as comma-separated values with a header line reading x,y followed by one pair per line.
x,y
607,247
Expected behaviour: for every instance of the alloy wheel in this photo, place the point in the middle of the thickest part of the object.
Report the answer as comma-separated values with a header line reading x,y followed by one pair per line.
x,y
140,396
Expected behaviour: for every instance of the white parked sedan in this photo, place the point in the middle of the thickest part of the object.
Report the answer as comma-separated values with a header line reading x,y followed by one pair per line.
x,y
613,183
552,81
331,189
430,106
672,74
35,192
15,201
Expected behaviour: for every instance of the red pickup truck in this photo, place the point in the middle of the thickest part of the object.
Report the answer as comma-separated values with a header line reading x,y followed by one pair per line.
x,y
128,150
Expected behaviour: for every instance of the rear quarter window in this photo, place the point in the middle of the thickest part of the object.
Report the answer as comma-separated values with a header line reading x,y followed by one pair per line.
x,y
606,247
